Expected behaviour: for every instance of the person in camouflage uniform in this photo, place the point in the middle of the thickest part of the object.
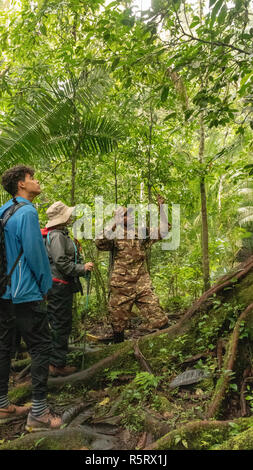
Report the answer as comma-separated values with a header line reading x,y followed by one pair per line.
x,y
130,281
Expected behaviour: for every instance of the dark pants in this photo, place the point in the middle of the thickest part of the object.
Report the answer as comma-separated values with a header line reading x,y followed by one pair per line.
x,y
59,309
31,321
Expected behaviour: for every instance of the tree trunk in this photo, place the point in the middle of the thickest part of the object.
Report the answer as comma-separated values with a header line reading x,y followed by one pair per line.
x,y
73,179
148,252
205,248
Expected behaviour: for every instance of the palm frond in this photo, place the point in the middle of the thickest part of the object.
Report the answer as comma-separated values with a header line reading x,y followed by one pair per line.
x,y
54,127
245,215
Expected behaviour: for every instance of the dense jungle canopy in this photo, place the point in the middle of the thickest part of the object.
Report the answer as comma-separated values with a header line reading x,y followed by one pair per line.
x,y
125,100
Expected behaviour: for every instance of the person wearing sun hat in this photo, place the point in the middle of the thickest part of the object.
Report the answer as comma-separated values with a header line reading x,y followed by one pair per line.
x,y
66,267
58,213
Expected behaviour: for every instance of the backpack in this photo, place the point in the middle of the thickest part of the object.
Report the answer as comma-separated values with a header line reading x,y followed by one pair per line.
x,y
74,283
5,279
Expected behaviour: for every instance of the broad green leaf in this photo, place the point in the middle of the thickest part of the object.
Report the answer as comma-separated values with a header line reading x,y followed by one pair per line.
x,y
115,63
164,94
222,15
215,10
43,29
169,116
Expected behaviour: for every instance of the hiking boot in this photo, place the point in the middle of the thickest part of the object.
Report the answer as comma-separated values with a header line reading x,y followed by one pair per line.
x,y
118,337
49,420
166,325
63,371
143,331
107,339
12,412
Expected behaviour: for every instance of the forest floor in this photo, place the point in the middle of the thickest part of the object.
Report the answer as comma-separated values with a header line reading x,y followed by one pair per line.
x,y
122,397
109,431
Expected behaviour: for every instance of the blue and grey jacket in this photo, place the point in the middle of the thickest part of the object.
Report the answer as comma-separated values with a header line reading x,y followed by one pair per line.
x,y
32,277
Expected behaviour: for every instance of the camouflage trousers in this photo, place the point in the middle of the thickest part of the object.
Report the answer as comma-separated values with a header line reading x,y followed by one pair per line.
x,y
139,292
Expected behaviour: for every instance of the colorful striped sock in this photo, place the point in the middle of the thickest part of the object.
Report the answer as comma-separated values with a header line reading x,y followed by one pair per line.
x,y
4,401
39,407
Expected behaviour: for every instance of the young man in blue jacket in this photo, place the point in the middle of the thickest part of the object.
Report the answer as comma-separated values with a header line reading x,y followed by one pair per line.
x,y
21,306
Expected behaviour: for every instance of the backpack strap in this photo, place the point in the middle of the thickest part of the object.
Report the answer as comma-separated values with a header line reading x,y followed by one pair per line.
x,y
7,214
11,210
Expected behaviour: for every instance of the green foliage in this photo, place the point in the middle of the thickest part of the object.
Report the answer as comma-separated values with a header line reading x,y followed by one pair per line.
x,y
146,382
114,374
133,397
77,77
249,396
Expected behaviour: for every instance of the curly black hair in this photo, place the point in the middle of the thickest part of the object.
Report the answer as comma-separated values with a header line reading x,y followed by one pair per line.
x,y
11,178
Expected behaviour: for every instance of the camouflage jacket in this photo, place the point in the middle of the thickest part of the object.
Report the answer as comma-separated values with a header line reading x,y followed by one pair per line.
x,y
129,257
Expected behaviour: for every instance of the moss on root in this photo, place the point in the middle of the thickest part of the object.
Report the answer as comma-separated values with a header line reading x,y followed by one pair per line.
x,y
20,394
166,352
65,439
204,435
243,441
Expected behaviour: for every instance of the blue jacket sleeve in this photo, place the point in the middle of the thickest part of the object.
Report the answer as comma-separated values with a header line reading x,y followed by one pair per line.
x,y
35,251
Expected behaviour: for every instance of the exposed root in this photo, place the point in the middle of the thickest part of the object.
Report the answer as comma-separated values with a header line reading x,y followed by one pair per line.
x,y
62,439
85,376
195,358
229,362
225,281
243,404
19,365
220,345
73,412
191,435
243,441
139,356
23,372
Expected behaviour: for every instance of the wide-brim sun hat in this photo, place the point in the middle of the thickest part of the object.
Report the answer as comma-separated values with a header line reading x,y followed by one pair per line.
x,y
58,213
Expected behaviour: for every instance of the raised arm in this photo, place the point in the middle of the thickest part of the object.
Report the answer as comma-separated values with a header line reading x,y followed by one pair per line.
x,y
164,226
103,242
